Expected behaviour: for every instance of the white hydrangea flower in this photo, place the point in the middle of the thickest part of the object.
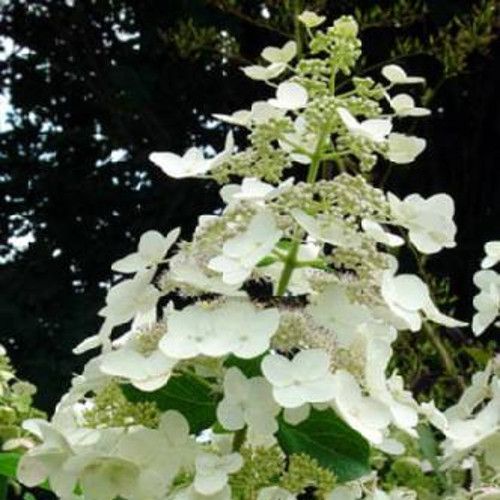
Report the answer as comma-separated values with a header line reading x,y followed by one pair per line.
x,y
260,112
396,494
492,251
193,163
465,434
404,148
374,129
130,297
135,464
436,417
264,73
151,250
191,494
326,229
351,491
212,471
109,462
335,311
487,301
404,413
368,416
397,75
184,269
305,379
429,222
241,117
247,402
404,105
310,19
253,189
174,429
275,493
473,396
302,137
45,460
146,371
280,55
408,298
289,96
377,232
234,327
243,252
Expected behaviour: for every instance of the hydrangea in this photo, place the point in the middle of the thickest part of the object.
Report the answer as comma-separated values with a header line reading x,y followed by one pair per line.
x,y
130,297
408,298
404,105
212,471
327,229
146,367
429,222
152,248
404,413
374,129
254,190
304,379
397,75
289,96
492,251
487,301
333,309
368,416
233,327
238,409
193,163
242,253
377,232
311,19
280,55
274,372
264,73
404,148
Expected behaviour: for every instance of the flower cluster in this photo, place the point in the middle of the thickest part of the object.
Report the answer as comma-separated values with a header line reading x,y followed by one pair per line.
x,y
16,405
272,378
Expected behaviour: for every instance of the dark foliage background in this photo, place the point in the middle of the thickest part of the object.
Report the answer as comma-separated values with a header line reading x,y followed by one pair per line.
x,y
80,90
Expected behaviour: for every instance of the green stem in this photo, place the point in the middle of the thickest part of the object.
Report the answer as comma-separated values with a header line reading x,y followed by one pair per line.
x,y
449,364
290,264
239,439
297,9
291,258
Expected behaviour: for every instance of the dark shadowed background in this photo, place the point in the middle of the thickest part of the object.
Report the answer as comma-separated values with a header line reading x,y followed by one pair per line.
x,y
90,88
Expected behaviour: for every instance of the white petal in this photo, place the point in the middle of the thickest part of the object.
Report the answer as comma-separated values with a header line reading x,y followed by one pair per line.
x,y
277,369
404,149
290,95
310,364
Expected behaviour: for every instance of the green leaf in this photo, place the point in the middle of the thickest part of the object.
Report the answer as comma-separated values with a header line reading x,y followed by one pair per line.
x,y
249,367
4,487
284,245
184,393
8,464
8,468
334,444
267,261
